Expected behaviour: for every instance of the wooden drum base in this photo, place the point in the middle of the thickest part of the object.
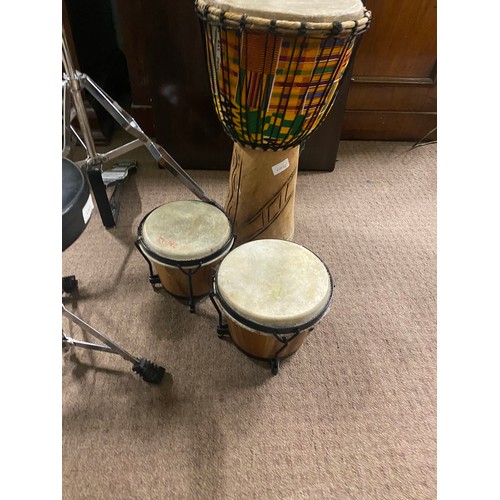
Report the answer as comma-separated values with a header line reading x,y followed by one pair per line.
x,y
261,345
176,281
261,197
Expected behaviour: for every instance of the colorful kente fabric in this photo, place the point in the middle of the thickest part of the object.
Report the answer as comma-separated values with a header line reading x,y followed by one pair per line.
x,y
271,90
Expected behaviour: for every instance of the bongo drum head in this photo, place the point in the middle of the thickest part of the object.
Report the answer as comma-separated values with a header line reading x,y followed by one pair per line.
x,y
186,230
275,283
295,10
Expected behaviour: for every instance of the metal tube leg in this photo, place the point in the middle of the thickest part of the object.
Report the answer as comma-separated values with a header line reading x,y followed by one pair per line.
x,y
85,326
129,124
148,370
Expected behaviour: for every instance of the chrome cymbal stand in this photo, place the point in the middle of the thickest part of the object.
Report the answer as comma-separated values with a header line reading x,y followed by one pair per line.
x,y
73,84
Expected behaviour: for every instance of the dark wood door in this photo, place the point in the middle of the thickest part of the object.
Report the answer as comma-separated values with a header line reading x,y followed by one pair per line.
x,y
393,89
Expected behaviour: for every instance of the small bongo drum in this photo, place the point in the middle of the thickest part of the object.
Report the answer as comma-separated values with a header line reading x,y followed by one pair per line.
x,y
272,294
184,241
274,70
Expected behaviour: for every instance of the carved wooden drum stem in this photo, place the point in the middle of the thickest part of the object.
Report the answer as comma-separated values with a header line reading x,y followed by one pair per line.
x,y
261,196
274,70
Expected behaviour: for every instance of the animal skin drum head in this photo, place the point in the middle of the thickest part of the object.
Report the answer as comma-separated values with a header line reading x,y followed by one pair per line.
x,y
275,283
186,230
321,11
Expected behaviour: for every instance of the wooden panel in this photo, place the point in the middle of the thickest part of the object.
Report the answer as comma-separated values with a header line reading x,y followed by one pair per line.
x,y
390,97
185,119
401,41
393,90
388,125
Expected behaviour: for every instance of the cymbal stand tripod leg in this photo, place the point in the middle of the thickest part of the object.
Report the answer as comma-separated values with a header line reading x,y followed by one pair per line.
x,y
148,370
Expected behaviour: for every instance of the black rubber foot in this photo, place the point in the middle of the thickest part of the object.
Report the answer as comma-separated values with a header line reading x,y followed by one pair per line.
x,y
275,366
154,280
69,284
149,371
222,331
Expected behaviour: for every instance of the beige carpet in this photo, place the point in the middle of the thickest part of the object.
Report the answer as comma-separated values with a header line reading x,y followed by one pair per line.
x,y
352,415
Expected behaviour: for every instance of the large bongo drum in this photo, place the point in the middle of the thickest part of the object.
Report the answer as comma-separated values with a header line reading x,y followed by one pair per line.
x,y
274,70
184,241
271,293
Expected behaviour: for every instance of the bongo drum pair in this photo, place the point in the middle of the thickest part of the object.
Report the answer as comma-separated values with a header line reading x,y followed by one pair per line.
x,y
274,70
269,294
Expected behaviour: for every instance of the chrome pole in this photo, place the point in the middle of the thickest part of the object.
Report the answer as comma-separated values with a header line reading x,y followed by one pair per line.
x,y
75,86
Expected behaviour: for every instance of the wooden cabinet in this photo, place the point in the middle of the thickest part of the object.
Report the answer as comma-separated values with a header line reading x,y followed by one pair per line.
x,y
393,89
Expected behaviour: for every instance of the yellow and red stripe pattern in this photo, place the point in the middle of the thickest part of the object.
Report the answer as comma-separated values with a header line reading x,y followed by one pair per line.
x,y
271,90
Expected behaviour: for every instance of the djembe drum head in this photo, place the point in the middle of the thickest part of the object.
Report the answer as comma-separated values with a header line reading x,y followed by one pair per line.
x,y
319,11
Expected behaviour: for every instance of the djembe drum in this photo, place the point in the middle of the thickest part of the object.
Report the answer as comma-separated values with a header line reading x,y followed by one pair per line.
x,y
274,70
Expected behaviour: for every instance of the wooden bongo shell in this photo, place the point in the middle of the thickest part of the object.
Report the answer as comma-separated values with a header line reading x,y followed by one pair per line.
x,y
270,308
264,345
176,280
